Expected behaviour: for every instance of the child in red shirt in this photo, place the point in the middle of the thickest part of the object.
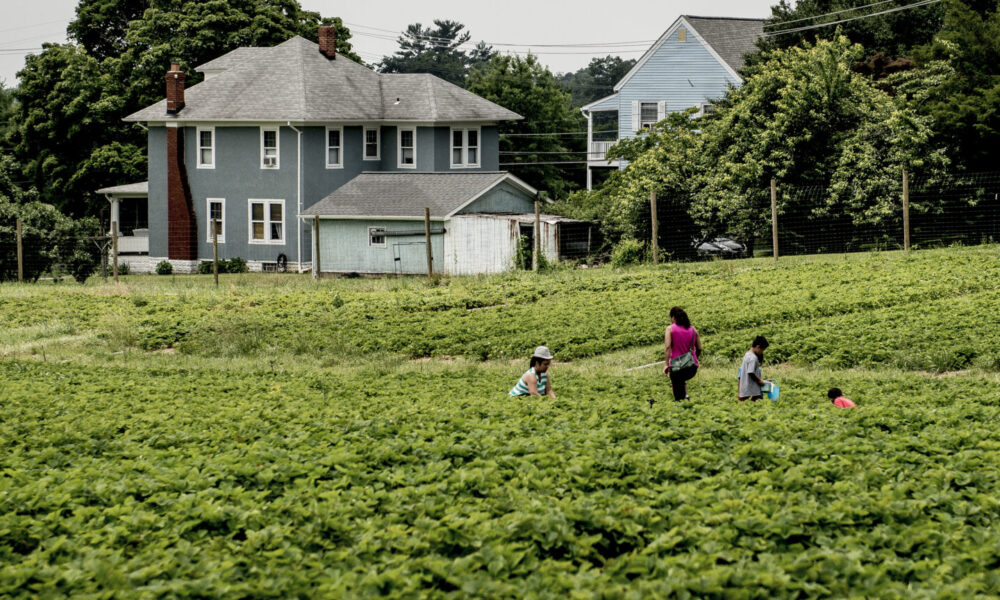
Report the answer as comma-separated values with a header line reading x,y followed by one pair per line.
x,y
839,400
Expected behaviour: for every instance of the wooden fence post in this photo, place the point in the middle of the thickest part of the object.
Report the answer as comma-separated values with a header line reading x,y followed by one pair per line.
x,y
114,249
316,265
906,210
656,228
774,217
427,237
20,253
215,251
538,237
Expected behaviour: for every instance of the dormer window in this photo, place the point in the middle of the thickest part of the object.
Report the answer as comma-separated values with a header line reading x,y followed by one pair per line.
x,y
269,154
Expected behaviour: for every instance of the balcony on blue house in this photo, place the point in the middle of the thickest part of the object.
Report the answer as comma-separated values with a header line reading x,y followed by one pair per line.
x,y
602,134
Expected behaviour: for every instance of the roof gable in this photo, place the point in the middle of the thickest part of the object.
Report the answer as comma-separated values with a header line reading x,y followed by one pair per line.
x,y
405,195
731,57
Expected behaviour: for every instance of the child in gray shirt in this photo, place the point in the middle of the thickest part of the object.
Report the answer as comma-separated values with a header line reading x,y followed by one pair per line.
x,y
750,379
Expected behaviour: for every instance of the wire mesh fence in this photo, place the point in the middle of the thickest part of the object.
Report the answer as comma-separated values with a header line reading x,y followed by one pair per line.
x,y
894,213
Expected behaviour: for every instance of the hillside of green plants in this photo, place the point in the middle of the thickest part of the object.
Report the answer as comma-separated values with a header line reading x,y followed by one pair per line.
x,y
280,437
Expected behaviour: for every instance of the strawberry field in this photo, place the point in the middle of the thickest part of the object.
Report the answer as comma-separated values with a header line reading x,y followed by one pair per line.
x,y
283,438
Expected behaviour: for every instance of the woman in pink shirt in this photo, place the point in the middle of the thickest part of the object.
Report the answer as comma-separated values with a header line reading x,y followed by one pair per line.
x,y
839,400
682,345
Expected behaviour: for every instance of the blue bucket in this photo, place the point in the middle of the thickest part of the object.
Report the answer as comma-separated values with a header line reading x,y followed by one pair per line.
x,y
771,390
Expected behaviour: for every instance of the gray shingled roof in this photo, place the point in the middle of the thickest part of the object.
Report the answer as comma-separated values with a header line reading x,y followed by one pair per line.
x,y
374,195
130,189
294,82
732,38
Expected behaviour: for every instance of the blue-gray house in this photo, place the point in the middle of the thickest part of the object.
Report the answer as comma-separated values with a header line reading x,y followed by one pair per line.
x,y
272,131
693,63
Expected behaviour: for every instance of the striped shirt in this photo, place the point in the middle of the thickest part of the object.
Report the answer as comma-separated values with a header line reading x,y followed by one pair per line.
x,y
521,389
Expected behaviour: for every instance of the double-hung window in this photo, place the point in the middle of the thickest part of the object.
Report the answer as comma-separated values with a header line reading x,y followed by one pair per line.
x,y
267,221
371,151
269,155
407,151
334,147
217,217
464,148
206,147
648,114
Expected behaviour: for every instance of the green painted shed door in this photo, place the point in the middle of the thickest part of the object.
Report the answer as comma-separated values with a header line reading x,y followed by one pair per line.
x,y
409,257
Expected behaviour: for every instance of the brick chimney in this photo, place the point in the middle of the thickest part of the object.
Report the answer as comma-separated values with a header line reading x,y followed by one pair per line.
x,y
175,89
328,41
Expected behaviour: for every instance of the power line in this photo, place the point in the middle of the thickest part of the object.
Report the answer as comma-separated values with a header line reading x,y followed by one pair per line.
x,y
553,133
550,162
876,14
830,14
396,35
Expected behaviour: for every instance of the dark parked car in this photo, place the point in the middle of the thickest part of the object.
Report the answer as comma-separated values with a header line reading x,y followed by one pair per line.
x,y
724,247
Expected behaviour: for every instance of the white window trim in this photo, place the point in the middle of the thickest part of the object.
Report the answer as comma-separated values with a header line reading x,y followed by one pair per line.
x,y
385,241
267,202
378,143
277,147
215,144
208,217
647,126
702,109
465,147
330,165
399,147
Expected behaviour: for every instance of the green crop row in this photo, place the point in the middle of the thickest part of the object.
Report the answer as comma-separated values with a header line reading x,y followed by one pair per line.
x,y
167,484
845,312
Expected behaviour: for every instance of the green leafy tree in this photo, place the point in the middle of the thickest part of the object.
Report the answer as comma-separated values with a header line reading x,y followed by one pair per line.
x,y
65,108
596,80
6,112
48,236
69,134
804,116
527,87
437,50
966,107
894,34
100,26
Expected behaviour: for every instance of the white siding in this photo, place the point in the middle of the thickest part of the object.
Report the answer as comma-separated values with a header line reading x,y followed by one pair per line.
x,y
477,244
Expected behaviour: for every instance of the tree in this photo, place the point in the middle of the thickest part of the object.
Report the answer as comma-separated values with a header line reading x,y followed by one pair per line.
x,y
48,236
803,116
966,107
438,51
894,34
65,108
6,111
101,25
69,134
597,79
525,86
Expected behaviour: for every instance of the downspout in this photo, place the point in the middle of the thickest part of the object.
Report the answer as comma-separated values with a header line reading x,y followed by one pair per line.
x,y
298,192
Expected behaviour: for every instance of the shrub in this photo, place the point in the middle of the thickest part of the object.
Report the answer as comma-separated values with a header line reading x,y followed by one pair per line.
x,y
124,268
237,265
627,252
164,268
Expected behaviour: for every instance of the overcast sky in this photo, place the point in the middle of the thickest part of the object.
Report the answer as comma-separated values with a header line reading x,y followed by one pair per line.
x,y
25,25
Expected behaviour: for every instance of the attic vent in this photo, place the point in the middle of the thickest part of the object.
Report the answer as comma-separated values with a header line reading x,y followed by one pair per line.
x,y
682,35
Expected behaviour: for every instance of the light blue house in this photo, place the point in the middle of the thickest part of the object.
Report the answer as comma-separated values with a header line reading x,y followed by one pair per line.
x,y
272,131
693,63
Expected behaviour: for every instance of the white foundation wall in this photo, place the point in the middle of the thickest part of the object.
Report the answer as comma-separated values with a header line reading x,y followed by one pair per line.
x,y
139,265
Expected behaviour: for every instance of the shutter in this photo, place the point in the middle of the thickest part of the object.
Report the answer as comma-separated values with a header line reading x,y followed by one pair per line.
x,y
635,116
661,111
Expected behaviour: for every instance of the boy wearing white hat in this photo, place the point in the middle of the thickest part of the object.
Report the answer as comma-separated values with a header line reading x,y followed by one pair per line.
x,y
535,381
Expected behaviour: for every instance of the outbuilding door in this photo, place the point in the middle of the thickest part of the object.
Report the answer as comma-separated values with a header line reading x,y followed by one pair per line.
x,y
409,257
528,245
